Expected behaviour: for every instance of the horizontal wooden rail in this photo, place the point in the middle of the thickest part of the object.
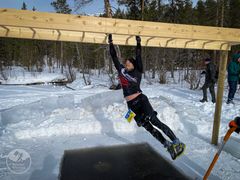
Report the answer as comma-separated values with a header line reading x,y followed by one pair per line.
x,y
100,38
65,27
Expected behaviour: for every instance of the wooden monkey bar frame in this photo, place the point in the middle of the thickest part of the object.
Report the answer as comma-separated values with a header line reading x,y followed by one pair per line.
x,y
75,28
65,27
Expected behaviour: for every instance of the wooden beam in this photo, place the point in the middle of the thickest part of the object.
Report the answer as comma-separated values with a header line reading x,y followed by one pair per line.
x,y
86,37
43,20
218,107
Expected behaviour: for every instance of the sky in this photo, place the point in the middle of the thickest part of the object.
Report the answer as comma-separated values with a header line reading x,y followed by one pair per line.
x,y
44,5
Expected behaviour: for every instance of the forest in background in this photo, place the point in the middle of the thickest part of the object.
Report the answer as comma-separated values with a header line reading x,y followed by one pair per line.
x,y
70,58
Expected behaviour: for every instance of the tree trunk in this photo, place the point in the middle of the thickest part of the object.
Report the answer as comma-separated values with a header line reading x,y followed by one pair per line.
x,y
142,10
172,66
159,9
222,12
217,24
108,12
107,7
61,44
81,63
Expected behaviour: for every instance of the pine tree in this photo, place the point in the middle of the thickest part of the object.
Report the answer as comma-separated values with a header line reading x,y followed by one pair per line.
x,y
151,12
234,13
61,6
185,14
134,8
119,14
211,12
24,6
160,10
200,13
178,11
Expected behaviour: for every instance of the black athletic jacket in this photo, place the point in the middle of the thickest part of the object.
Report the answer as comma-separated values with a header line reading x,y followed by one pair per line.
x,y
130,80
210,76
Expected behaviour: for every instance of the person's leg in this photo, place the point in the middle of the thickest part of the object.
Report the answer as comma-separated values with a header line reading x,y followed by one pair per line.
x,y
148,126
156,122
212,91
204,89
137,107
231,91
235,83
145,115
151,115
175,148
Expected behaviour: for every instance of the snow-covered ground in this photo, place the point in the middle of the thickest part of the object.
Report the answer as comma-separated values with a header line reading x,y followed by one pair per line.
x,y
19,75
46,120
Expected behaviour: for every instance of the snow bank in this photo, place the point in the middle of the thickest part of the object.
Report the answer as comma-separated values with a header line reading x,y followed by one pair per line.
x,y
36,111
94,81
72,119
90,117
233,146
18,75
169,116
68,129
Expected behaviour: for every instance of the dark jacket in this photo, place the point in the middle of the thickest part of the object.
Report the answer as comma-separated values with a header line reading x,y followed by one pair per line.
x,y
130,80
234,68
211,73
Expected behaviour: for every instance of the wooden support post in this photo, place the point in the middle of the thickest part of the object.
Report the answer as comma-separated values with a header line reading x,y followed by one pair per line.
x,y
218,107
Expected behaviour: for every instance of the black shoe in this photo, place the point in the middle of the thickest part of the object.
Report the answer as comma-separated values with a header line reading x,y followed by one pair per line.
x,y
179,148
213,101
203,100
229,101
172,151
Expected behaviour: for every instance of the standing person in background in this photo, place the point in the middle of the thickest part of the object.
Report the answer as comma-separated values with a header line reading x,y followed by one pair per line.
x,y
233,76
210,80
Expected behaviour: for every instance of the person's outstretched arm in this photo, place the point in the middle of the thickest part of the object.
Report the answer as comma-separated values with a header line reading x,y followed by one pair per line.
x,y
113,53
139,65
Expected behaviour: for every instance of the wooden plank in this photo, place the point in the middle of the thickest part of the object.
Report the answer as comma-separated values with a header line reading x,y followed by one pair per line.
x,y
218,107
12,17
99,38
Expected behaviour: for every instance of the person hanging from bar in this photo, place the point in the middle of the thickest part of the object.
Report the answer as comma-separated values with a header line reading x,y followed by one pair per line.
x,y
130,75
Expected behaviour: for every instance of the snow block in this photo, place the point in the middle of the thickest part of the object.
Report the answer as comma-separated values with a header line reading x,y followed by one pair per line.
x,y
102,99
134,161
1,125
66,101
49,104
233,147
0,120
22,112
36,111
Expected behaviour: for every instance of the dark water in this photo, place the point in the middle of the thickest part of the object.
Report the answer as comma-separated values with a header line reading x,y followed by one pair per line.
x,y
123,162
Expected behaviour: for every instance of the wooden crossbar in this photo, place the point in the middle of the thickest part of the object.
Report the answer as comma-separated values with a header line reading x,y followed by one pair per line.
x,y
67,27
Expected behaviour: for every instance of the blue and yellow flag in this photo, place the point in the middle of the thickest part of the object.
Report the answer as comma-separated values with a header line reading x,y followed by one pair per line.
x,y
130,115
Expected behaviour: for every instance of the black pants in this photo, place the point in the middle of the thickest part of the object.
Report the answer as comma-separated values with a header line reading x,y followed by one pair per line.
x,y
209,85
147,117
232,89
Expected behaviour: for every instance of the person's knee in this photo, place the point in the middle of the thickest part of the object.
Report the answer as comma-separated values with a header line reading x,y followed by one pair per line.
x,y
153,118
148,126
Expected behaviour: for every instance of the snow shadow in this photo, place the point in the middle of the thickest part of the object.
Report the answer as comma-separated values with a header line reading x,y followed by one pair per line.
x,y
46,173
191,128
36,111
107,126
95,105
